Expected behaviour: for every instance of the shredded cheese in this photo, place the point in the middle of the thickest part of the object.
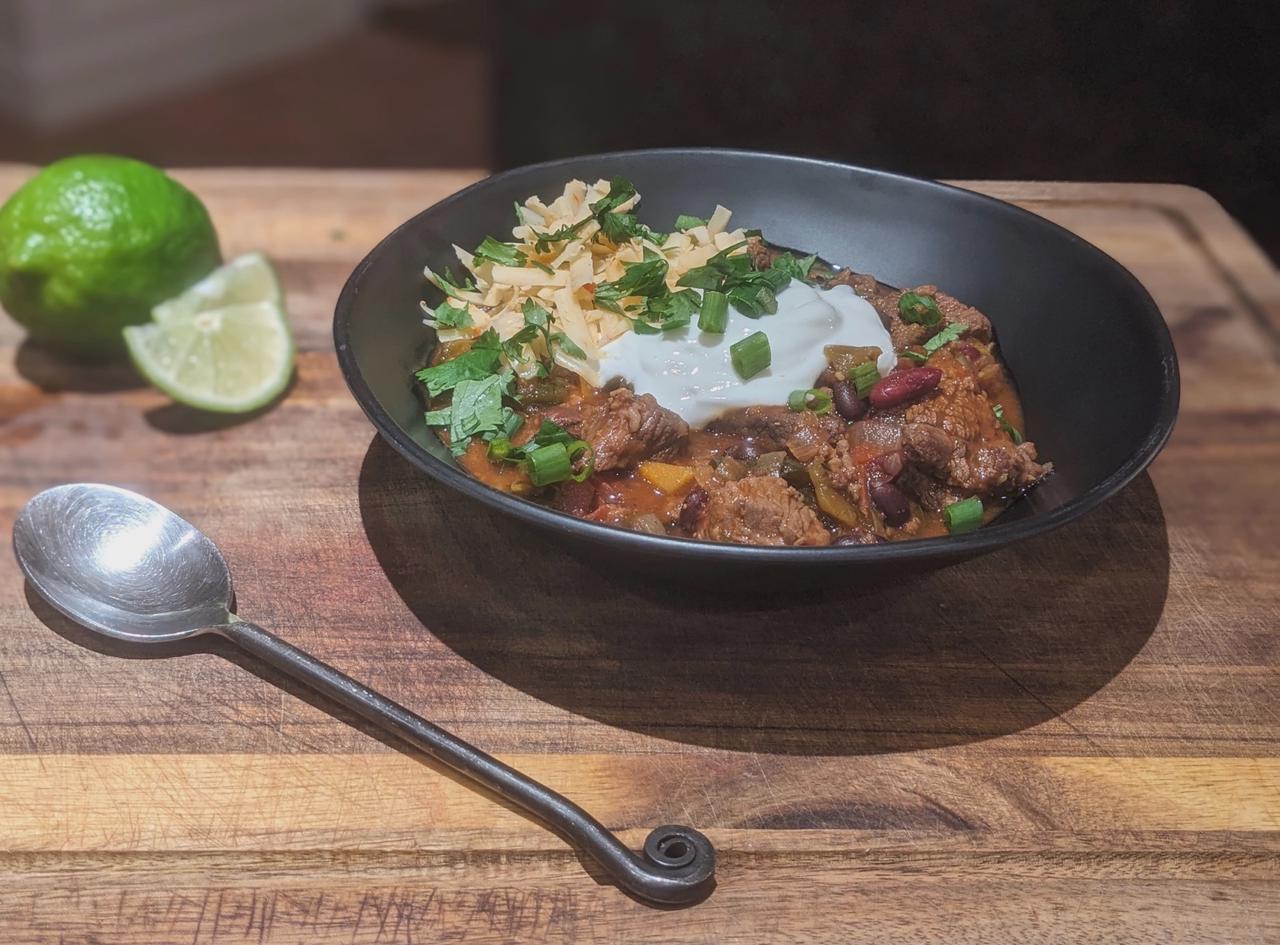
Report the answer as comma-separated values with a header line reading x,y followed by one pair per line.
x,y
577,265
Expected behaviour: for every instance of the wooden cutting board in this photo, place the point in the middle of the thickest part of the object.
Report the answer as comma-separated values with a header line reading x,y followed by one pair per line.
x,y
1074,739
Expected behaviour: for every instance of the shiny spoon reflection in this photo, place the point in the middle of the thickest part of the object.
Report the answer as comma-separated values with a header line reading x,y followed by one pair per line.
x,y
127,568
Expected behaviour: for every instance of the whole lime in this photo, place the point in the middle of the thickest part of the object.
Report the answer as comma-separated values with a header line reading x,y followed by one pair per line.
x,y
91,243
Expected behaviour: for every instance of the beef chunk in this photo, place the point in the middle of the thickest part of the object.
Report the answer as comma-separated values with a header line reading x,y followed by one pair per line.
x,y
624,429
760,510
801,433
906,334
761,253
953,435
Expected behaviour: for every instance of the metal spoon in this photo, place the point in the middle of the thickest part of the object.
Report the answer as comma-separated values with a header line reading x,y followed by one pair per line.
x,y
128,568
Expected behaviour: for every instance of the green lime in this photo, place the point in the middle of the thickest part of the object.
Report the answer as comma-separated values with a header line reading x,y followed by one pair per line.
x,y
91,243
223,345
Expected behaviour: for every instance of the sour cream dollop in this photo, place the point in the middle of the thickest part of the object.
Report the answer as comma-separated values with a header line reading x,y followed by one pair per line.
x,y
689,371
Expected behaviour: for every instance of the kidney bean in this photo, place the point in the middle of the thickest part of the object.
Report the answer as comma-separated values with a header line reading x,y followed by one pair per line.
x,y
848,404
969,351
576,498
902,386
695,503
828,378
891,501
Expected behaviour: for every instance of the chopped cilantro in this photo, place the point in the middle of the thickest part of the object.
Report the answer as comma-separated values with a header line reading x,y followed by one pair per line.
x,y
946,336
565,344
646,279
667,312
795,268
920,309
444,282
543,241
447,316
476,410
620,191
480,361
687,221
501,253
620,227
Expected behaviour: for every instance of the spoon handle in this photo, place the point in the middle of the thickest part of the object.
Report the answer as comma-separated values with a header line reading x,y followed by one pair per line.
x,y
678,864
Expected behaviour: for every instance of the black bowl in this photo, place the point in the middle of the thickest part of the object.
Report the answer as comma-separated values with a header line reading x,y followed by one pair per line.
x,y
1088,348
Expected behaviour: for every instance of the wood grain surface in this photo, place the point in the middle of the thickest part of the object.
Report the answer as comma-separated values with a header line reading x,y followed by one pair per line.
x,y
1075,739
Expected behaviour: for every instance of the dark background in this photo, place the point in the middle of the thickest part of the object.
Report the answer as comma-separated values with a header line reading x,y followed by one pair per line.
x,y
1146,91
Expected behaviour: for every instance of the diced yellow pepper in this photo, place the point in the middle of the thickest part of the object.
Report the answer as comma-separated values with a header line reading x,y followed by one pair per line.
x,y
666,477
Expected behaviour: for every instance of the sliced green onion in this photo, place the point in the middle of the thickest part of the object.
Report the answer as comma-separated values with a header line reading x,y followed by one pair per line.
x,y
814,400
753,300
963,516
751,355
920,309
500,449
1005,425
575,449
714,314
548,464
543,266
864,377
915,356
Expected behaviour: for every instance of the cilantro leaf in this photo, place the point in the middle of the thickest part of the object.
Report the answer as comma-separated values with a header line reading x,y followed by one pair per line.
x,y
946,336
646,279
795,268
480,361
687,221
565,343
477,409
919,308
620,227
718,269
492,251
447,316
620,191
513,347
535,315
543,241
667,312
444,282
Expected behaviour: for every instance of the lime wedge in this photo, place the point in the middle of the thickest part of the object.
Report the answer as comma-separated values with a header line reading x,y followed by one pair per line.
x,y
230,360
246,279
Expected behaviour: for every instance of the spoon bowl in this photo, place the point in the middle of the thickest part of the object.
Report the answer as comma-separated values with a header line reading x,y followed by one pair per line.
x,y
122,565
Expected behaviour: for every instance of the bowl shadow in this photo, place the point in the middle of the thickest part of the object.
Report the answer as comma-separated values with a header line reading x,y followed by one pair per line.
x,y
889,663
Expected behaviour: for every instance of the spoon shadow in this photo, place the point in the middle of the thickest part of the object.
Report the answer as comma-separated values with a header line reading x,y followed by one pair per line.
x,y
214,645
